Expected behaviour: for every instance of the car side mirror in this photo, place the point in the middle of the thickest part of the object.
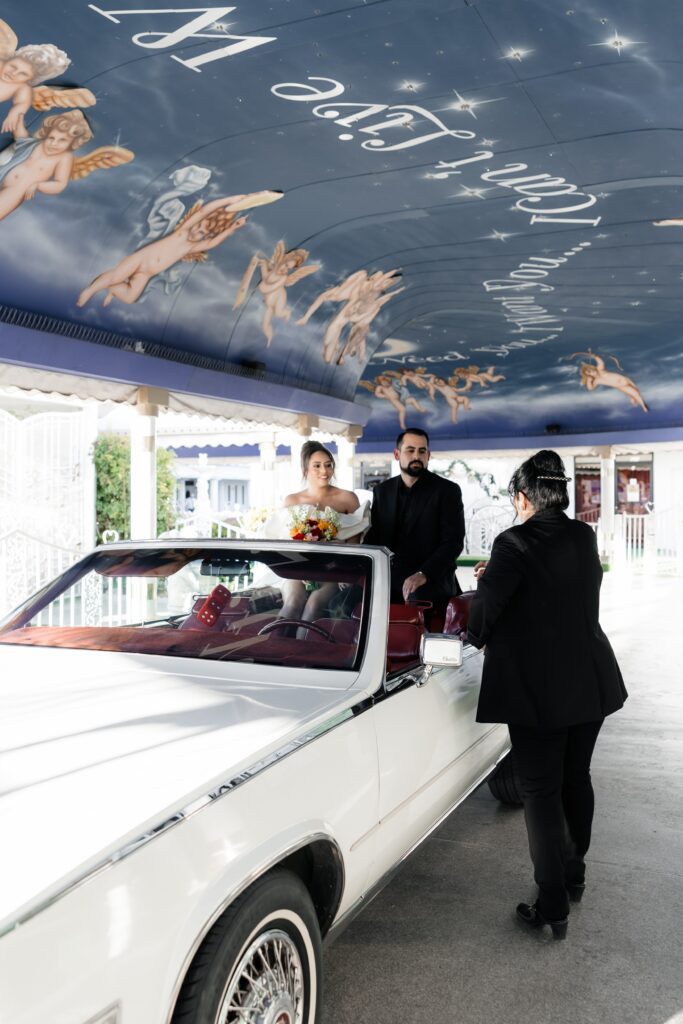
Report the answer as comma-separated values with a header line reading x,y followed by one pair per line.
x,y
438,650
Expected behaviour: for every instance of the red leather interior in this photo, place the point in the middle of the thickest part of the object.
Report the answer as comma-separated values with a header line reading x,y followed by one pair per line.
x,y
406,628
344,631
272,648
457,613
407,613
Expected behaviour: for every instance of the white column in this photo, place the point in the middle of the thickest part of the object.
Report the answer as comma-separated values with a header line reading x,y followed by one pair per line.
x,y
203,504
143,472
296,443
345,452
213,496
264,484
89,414
607,500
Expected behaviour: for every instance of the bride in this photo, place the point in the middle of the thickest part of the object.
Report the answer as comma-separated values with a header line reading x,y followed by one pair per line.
x,y
317,467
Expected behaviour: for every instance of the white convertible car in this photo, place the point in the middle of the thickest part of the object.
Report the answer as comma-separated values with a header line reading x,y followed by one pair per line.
x,y
197,789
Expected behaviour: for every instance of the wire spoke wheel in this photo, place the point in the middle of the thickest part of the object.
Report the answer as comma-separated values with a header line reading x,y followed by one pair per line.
x,y
267,985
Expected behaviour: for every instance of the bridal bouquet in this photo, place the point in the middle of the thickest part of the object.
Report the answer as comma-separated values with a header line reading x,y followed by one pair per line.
x,y
308,523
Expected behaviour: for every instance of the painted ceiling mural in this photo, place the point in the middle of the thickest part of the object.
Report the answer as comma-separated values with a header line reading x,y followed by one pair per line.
x,y
467,214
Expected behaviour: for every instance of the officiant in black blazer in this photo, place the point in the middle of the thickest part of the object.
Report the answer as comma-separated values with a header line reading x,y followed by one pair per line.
x,y
549,673
419,516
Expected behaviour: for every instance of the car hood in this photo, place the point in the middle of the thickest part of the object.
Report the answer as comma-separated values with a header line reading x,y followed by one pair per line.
x,y
99,747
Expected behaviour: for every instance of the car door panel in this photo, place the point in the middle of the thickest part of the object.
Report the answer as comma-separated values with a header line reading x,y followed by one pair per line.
x,y
431,751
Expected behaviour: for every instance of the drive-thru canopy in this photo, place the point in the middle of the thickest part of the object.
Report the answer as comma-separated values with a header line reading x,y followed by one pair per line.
x,y
466,214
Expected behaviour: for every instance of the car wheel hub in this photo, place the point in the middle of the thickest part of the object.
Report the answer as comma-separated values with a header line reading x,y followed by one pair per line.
x,y
266,986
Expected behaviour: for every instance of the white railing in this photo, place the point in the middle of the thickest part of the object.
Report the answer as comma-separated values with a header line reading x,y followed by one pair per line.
x,y
650,542
669,540
197,525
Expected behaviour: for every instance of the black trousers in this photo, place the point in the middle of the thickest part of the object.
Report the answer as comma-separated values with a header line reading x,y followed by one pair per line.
x,y
554,771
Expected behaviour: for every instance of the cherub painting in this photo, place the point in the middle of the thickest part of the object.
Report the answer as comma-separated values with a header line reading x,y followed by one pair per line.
x,y
390,387
45,162
363,296
205,228
22,68
278,273
474,375
434,385
595,374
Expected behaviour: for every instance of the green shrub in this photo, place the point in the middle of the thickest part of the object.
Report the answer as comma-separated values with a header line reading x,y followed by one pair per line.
x,y
111,455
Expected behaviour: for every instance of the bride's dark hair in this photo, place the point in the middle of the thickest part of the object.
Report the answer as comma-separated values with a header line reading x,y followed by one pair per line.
x,y
308,450
542,479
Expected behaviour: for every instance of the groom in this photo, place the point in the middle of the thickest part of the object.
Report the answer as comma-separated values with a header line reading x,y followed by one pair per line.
x,y
419,516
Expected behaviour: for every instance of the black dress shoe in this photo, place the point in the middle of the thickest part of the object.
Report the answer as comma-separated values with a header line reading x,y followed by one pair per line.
x,y
531,916
575,891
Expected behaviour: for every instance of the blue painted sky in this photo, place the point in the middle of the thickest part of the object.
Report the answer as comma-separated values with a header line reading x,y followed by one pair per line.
x,y
487,117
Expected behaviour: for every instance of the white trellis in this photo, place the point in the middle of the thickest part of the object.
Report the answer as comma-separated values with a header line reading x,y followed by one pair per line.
x,y
46,498
482,526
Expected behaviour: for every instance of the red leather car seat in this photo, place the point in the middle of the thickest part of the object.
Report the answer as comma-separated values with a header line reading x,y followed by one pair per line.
x,y
406,629
458,613
343,631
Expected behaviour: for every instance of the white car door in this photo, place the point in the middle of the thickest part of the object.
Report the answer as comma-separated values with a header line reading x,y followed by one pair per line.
x,y
431,751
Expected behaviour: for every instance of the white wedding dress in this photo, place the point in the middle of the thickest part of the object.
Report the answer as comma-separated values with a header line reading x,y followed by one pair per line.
x,y
352,525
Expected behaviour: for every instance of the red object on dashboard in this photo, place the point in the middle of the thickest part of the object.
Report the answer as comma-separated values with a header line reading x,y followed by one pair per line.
x,y
212,607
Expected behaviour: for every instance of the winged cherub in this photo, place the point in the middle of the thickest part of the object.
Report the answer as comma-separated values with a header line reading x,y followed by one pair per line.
x,y
390,387
205,227
362,296
279,272
45,162
595,374
22,68
474,375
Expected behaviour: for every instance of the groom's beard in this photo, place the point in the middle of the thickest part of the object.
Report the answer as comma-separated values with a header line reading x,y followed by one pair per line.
x,y
414,468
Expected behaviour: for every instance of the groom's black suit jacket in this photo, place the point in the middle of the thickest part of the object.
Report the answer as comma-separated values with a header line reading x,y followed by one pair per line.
x,y
430,536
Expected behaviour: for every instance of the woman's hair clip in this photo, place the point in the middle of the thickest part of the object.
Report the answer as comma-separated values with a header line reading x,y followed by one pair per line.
x,y
556,477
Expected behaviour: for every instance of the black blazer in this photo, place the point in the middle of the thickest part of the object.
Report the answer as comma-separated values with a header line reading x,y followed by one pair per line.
x,y
435,531
547,661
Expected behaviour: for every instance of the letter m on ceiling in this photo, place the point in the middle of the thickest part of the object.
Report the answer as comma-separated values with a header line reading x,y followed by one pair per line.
x,y
194,29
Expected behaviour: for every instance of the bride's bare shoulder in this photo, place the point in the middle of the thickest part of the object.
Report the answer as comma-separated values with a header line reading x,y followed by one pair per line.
x,y
346,501
292,499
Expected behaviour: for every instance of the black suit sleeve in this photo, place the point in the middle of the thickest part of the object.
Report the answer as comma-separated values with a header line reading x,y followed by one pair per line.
x,y
450,531
373,536
496,588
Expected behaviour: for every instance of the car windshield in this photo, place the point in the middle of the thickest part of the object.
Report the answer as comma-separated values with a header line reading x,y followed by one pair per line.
x,y
298,608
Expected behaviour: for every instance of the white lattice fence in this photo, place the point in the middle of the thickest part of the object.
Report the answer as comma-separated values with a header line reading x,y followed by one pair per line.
x,y
482,526
27,564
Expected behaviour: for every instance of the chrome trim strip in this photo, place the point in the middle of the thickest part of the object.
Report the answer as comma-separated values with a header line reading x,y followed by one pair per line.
x,y
347,917
183,813
242,887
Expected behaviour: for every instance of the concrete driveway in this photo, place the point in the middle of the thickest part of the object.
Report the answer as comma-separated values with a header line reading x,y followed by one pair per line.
x,y
440,945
